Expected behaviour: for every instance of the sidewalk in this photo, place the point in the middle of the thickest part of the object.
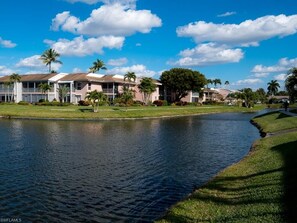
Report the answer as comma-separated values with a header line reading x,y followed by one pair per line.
x,y
288,112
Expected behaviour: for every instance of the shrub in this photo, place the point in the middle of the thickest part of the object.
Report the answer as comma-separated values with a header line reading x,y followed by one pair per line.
x,y
23,103
41,100
52,104
83,103
160,103
181,103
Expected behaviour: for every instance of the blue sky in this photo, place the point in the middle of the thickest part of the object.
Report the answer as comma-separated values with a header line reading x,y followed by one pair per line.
x,y
245,42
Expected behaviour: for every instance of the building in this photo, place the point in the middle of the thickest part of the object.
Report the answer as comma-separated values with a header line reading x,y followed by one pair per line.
x,y
79,84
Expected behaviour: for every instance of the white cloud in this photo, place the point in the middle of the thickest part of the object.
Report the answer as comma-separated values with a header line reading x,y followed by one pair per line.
x,y
283,65
77,70
248,82
209,54
7,43
247,33
281,77
117,62
114,19
83,47
35,64
139,70
5,71
260,75
128,3
226,14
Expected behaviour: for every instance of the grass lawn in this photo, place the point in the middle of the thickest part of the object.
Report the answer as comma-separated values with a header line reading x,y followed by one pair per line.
x,y
260,188
79,112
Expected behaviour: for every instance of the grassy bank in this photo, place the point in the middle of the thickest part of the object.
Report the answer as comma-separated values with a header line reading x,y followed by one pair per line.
x,y
78,112
260,188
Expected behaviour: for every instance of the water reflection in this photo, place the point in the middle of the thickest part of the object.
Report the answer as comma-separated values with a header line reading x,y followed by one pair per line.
x,y
119,171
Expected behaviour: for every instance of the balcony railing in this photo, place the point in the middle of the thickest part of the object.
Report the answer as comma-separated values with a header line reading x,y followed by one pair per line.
x,y
109,90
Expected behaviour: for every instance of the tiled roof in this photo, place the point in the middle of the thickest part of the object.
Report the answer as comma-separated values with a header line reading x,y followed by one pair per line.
x,y
31,77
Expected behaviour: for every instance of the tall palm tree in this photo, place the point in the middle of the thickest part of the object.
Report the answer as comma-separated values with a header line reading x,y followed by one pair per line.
x,y
273,87
96,97
62,92
97,65
44,87
216,82
227,83
50,56
15,78
130,76
127,96
209,81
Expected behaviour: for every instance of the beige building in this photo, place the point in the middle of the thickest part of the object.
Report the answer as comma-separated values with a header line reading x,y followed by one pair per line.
x,y
79,84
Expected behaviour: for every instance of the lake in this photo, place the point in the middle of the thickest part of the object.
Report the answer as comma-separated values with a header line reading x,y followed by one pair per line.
x,y
113,171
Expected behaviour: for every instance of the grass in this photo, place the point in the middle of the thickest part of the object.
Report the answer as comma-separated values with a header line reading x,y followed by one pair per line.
x,y
260,188
78,112
276,121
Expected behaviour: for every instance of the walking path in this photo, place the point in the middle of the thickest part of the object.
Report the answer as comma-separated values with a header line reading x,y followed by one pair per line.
x,y
288,112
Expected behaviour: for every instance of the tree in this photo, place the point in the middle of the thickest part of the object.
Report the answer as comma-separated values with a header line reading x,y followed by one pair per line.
x,y
97,65
15,78
248,96
273,87
226,83
291,84
44,87
127,96
62,91
147,87
208,81
216,82
261,95
96,97
129,76
180,81
50,56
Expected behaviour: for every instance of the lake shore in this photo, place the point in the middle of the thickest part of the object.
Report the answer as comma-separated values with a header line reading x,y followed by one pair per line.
x,y
112,113
259,188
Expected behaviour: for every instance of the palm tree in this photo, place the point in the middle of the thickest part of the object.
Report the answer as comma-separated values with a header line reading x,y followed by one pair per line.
x,y
44,87
15,78
96,97
97,65
62,91
273,87
127,96
48,57
227,83
217,81
209,81
130,76
147,87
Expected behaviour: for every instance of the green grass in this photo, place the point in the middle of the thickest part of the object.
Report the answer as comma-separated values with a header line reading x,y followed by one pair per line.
x,y
78,112
260,188
276,121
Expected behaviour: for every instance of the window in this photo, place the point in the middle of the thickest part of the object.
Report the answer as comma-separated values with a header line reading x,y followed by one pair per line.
x,y
78,85
89,86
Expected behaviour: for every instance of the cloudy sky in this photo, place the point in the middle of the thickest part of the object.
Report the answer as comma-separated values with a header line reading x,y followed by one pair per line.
x,y
245,42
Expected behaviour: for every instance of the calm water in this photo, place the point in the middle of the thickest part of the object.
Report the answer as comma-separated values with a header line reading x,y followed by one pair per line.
x,y
112,171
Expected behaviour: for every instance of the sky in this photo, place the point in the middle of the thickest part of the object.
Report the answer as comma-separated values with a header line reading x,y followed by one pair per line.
x,y
247,43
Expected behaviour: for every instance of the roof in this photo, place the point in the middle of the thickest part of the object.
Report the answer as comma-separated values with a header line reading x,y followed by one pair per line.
x,y
30,77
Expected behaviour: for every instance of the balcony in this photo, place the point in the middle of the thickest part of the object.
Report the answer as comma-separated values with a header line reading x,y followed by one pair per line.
x,y
109,91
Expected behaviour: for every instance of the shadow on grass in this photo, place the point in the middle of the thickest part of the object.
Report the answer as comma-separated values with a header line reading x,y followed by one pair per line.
x,y
271,195
289,154
86,109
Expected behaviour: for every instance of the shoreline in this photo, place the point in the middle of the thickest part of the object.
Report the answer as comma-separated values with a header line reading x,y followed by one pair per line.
x,y
220,198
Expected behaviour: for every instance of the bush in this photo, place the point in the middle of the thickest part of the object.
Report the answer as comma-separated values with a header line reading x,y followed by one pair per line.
x,y
181,103
83,103
160,103
24,103
41,100
52,104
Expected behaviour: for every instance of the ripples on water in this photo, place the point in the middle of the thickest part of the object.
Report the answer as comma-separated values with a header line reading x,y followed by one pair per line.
x,y
112,171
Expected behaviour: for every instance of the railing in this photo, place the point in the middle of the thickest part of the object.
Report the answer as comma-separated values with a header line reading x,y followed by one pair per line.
x,y
109,90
